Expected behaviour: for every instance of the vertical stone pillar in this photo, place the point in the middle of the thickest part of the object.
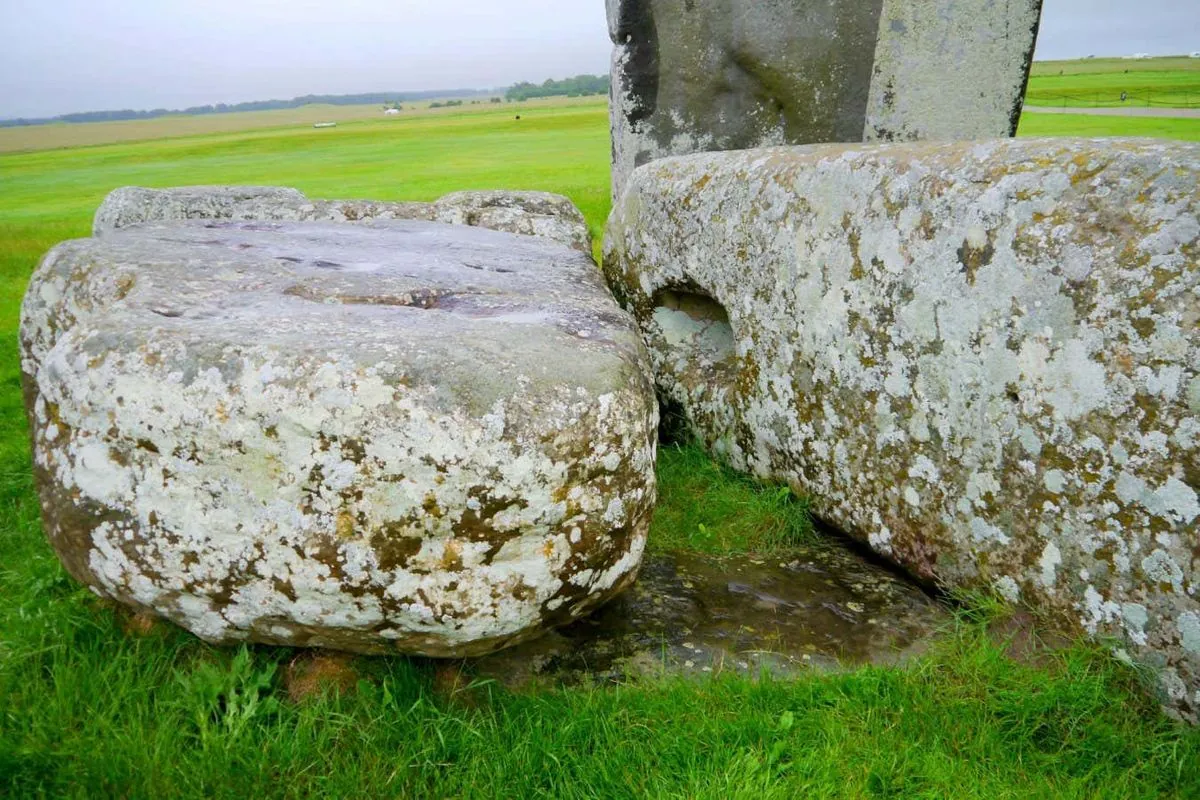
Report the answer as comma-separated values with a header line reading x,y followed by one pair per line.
x,y
699,75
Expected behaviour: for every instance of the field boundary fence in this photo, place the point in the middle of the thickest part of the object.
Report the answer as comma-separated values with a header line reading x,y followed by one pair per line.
x,y
1109,100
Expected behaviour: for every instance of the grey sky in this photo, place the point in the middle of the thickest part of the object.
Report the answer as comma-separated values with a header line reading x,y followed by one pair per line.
x,y
58,56
1077,28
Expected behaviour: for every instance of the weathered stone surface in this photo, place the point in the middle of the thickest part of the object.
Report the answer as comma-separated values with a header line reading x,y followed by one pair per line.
x,y
409,437
360,210
549,216
821,607
981,358
698,75
132,205
950,69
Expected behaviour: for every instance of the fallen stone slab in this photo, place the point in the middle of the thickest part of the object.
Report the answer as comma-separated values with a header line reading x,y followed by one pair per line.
x,y
404,438
820,607
699,75
542,214
983,359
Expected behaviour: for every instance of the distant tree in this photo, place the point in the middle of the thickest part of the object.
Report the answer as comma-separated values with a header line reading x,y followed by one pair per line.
x,y
375,98
579,86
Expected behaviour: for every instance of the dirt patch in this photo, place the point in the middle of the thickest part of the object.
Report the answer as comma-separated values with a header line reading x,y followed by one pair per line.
x,y
314,674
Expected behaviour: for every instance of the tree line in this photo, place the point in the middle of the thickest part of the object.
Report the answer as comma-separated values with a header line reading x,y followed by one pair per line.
x,y
579,86
374,98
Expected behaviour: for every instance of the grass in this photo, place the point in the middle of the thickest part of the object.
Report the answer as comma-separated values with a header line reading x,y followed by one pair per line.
x,y
92,704
1034,124
93,712
709,508
59,135
1161,82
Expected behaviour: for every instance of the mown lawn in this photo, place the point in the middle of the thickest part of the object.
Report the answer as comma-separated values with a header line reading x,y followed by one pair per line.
x,y
1101,82
1034,124
94,703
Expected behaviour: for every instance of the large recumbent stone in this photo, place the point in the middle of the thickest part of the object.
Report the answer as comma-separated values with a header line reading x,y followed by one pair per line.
x,y
983,359
409,437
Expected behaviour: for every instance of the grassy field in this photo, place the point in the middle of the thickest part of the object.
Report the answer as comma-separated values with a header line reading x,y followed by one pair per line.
x,y
1034,124
1157,82
95,703
45,137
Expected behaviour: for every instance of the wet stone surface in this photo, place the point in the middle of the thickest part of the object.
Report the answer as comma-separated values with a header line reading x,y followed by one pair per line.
x,y
819,607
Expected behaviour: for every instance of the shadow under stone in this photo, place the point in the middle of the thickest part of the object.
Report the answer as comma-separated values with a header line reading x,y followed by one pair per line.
x,y
820,607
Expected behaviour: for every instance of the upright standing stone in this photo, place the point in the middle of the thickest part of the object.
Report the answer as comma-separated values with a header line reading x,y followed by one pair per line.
x,y
698,75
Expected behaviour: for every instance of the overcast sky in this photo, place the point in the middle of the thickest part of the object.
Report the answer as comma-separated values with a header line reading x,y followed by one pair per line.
x,y
59,56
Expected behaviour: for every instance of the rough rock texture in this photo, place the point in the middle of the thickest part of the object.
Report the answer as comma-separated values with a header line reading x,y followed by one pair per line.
x,y
409,437
549,216
697,75
950,69
132,205
983,359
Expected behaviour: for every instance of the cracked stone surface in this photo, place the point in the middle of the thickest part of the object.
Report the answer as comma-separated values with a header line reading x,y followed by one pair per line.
x,y
982,359
818,607
548,216
700,75
404,438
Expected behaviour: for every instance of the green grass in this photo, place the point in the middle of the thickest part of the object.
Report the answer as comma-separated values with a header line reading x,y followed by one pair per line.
x,y
1094,66
90,710
709,508
1161,82
1034,124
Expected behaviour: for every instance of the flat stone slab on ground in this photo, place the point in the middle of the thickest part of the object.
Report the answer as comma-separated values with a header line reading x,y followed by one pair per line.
x,y
409,437
541,214
818,607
